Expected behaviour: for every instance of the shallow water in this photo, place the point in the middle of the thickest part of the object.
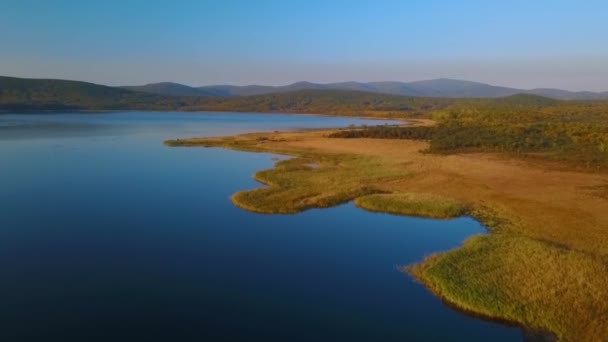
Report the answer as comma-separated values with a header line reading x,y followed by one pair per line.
x,y
107,234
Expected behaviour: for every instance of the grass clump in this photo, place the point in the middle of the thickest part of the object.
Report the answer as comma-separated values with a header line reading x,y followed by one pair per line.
x,y
293,185
412,204
535,283
309,180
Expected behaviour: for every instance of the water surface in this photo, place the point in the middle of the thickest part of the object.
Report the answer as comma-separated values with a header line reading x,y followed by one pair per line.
x,y
106,234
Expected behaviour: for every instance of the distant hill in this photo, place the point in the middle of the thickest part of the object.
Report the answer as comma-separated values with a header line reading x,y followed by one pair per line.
x,y
50,94
568,95
171,89
442,87
327,101
393,88
230,90
17,94
454,88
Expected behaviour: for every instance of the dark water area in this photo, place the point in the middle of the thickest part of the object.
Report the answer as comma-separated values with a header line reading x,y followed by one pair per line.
x,y
108,235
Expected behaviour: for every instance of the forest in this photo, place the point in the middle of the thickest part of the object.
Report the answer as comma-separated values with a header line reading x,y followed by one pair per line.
x,y
572,131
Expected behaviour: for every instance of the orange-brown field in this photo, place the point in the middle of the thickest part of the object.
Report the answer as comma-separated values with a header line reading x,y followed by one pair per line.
x,y
545,264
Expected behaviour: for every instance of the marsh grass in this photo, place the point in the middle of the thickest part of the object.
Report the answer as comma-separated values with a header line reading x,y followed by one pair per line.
x,y
537,284
412,204
521,274
309,180
293,185
541,285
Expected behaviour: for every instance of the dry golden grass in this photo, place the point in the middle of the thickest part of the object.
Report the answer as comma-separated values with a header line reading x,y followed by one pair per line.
x,y
546,263
411,204
537,284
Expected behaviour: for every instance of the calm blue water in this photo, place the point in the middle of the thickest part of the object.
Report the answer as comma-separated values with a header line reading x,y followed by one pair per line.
x,y
106,234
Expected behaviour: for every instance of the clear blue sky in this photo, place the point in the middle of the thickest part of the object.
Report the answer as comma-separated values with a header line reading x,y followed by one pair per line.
x,y
542,43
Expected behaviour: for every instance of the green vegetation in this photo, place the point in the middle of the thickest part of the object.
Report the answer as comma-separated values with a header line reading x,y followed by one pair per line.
x,y
293,186
538,284
526,125
411,204
335,102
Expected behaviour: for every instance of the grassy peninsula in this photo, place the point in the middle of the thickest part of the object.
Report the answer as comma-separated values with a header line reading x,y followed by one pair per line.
x,y
412,204
545,263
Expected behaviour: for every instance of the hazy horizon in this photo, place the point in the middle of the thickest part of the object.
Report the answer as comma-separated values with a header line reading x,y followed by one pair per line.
x,y
545,44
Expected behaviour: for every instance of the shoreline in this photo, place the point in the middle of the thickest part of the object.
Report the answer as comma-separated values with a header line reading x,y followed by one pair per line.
x,y
118,111
547,336
351,162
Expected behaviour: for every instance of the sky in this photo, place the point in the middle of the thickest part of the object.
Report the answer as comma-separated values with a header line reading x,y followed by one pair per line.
x,y
525,44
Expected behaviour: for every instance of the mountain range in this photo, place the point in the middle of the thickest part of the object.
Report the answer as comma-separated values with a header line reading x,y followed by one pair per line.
x,y
442,87
49,95
21,94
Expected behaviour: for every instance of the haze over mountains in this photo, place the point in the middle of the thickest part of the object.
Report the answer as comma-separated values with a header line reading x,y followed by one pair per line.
x,y
430,88
21,94
49,95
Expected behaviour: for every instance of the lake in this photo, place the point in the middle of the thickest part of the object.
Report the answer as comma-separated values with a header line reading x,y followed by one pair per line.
x,y
106,234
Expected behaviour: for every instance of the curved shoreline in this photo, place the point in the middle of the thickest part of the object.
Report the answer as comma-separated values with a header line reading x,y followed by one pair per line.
x,y
502,291
409,269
